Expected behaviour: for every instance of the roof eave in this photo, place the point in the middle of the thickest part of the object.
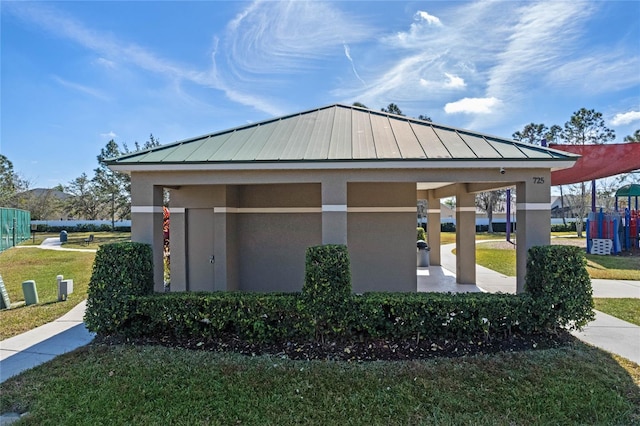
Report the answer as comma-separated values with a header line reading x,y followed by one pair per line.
x,y
552,164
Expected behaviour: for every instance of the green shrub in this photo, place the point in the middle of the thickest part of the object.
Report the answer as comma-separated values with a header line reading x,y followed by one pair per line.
x,y
122,302
421,233
560,286
447,227
269,318
561,227
327,287
439,315
121,272
254,317
82,228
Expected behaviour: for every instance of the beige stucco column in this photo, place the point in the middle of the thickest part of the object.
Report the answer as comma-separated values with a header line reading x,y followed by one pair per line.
x,y
533,218
334,210
433,228
226,247
146,223
465,236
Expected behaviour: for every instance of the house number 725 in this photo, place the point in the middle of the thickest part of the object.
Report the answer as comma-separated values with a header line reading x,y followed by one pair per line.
x,y
538,180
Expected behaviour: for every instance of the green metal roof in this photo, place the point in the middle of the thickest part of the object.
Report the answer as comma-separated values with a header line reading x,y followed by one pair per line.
x,y
338,133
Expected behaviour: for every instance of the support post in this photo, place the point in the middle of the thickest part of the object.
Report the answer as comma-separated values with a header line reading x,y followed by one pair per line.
x,y
533,215
465,236
508,215
146,223
433,228
334,210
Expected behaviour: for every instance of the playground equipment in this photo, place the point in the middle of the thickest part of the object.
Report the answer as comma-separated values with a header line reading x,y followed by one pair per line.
x,y
617,231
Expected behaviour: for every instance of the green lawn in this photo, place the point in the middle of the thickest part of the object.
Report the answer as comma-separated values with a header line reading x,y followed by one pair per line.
x,y
21,264
76,239
450,237
499,260
614,267
625,309
605,267
146,385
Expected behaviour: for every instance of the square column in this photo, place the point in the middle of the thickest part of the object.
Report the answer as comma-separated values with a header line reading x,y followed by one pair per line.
x,y
146,223
465,236
334,210
533,218
226,252
433,228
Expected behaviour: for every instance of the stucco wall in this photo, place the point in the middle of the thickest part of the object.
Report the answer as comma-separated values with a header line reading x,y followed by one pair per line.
x,y
382,241
271,242
271,250
376,218
260,234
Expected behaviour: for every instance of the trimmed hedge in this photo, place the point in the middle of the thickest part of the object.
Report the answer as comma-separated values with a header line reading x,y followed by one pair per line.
x,y
121,273
282,317
447,227
561,227
326,292
121,303
248,316
85,227
560,286
89,227
439,315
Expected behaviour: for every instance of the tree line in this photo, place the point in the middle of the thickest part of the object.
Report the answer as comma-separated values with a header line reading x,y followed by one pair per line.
x,y
105,195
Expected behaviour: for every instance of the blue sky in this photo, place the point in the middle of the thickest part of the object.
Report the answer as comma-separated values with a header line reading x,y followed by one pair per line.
x,y
76,74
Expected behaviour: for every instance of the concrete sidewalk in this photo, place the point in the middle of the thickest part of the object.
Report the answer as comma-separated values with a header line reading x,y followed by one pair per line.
x,y
613,335
55,244
491,281
44,343
605,332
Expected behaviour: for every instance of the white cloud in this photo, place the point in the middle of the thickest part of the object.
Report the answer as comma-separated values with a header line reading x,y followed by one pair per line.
x,y
287,36
347,53
541,37
429,19
107,46
451,82
419,31
454,82
81,88
109,135
472,106
106,63
608,71
624,118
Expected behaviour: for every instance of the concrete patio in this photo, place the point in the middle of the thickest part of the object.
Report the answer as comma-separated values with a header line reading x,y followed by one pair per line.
x,y
440,278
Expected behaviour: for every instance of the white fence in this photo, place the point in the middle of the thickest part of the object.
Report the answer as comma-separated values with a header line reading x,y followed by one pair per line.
x,y
485,221
73,223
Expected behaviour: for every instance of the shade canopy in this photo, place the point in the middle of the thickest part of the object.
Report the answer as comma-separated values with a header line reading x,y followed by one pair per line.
x,y
597,162
632,190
